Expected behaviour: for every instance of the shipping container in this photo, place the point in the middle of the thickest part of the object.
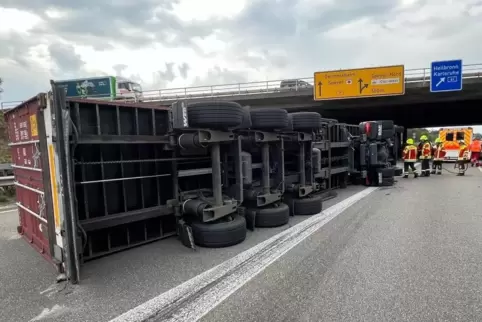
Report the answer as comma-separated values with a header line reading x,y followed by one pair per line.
x,y
92,169
29,146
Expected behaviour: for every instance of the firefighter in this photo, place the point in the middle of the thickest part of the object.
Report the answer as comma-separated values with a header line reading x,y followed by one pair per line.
x,y
425,155
475,148
463,158
409,159
438,156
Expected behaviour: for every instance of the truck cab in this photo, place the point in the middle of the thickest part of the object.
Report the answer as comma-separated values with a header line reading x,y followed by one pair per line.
x,y
128,89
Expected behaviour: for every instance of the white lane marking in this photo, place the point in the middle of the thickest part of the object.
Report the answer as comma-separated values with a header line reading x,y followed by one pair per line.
x,y
480,169
8,211
194,298
55,312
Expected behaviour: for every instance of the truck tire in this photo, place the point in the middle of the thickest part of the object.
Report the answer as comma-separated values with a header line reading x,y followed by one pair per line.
x,y
221,233
387,182
269,119
289,128
388,172
215,115
246,124
310,205
306,121
272,215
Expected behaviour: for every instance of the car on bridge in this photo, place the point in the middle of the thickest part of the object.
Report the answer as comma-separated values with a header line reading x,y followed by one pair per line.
x,y
294,84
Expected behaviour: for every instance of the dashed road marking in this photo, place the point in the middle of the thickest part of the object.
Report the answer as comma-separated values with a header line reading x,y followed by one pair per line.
x,y
194,298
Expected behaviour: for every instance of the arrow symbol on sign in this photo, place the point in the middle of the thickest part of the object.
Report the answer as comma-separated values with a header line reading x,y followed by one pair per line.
x,y
362,87
319,88
440,81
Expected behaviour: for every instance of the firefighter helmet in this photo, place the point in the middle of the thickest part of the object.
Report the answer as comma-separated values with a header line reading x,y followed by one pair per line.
x,y
410,141
424,138
437,140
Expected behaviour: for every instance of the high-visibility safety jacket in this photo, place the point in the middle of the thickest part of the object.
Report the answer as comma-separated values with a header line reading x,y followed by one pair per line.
x,y
410,153
475,146
439,152
426,151
463,153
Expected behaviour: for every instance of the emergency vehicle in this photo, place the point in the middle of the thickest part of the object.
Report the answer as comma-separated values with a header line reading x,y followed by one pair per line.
x,y
450,138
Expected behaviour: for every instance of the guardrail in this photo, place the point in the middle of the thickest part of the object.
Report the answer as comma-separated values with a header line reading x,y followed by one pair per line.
x,y
5,166
412,76
7,181
5,106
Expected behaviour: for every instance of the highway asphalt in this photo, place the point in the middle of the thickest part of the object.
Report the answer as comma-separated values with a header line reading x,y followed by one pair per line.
x,y
405,253
110,285
410,253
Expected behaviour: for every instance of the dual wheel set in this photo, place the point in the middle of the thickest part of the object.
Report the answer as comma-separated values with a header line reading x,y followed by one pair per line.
x,y
231,230
225,116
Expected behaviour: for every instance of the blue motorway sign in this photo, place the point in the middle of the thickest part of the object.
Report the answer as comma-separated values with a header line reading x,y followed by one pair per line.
x,y
446,76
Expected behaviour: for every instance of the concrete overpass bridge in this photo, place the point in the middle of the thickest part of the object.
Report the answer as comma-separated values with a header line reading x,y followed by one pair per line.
x,y
417,108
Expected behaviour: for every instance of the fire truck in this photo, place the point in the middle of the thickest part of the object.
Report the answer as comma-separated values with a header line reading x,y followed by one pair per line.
x,y
450,138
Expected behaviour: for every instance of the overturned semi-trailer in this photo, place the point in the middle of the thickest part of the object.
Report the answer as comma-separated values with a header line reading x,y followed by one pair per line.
x,y
97,177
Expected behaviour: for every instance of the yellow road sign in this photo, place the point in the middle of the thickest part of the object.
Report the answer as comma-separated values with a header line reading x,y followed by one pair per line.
x,y
357,83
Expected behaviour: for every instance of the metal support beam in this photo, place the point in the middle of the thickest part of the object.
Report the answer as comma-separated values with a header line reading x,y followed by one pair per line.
x,y
216,175
265,174
301,164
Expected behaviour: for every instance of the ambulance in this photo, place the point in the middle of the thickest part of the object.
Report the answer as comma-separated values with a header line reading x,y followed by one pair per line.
x,y
450,138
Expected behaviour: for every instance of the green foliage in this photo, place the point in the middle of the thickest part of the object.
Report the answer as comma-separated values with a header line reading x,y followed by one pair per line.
x,y
417,133
7,194
5,156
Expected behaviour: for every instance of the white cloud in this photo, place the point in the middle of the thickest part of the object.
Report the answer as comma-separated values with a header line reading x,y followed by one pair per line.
x,y
201,10
17,20
176,43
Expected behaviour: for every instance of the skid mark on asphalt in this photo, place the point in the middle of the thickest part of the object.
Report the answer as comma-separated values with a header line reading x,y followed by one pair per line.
x,y
194,298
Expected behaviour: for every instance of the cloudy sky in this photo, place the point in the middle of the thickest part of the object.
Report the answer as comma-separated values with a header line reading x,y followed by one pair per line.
x,y
177,43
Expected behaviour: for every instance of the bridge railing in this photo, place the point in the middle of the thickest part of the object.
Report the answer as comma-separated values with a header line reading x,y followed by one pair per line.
x,y
4,106
419,75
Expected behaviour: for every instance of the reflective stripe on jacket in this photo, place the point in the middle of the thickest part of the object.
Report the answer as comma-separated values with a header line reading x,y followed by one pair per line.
x,y
439,153
410,153
463,153
426,151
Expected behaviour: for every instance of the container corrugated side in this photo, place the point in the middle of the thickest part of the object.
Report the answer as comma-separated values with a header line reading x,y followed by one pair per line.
x,y
29,170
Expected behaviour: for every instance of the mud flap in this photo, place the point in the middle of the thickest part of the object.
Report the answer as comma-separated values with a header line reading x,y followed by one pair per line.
x,y
250,216
185,234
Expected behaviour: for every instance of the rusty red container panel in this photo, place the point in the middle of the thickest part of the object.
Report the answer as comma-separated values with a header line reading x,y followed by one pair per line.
x,y
27,168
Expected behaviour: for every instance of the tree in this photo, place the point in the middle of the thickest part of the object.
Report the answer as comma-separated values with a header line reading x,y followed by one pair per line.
x,y
417,133
1,82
